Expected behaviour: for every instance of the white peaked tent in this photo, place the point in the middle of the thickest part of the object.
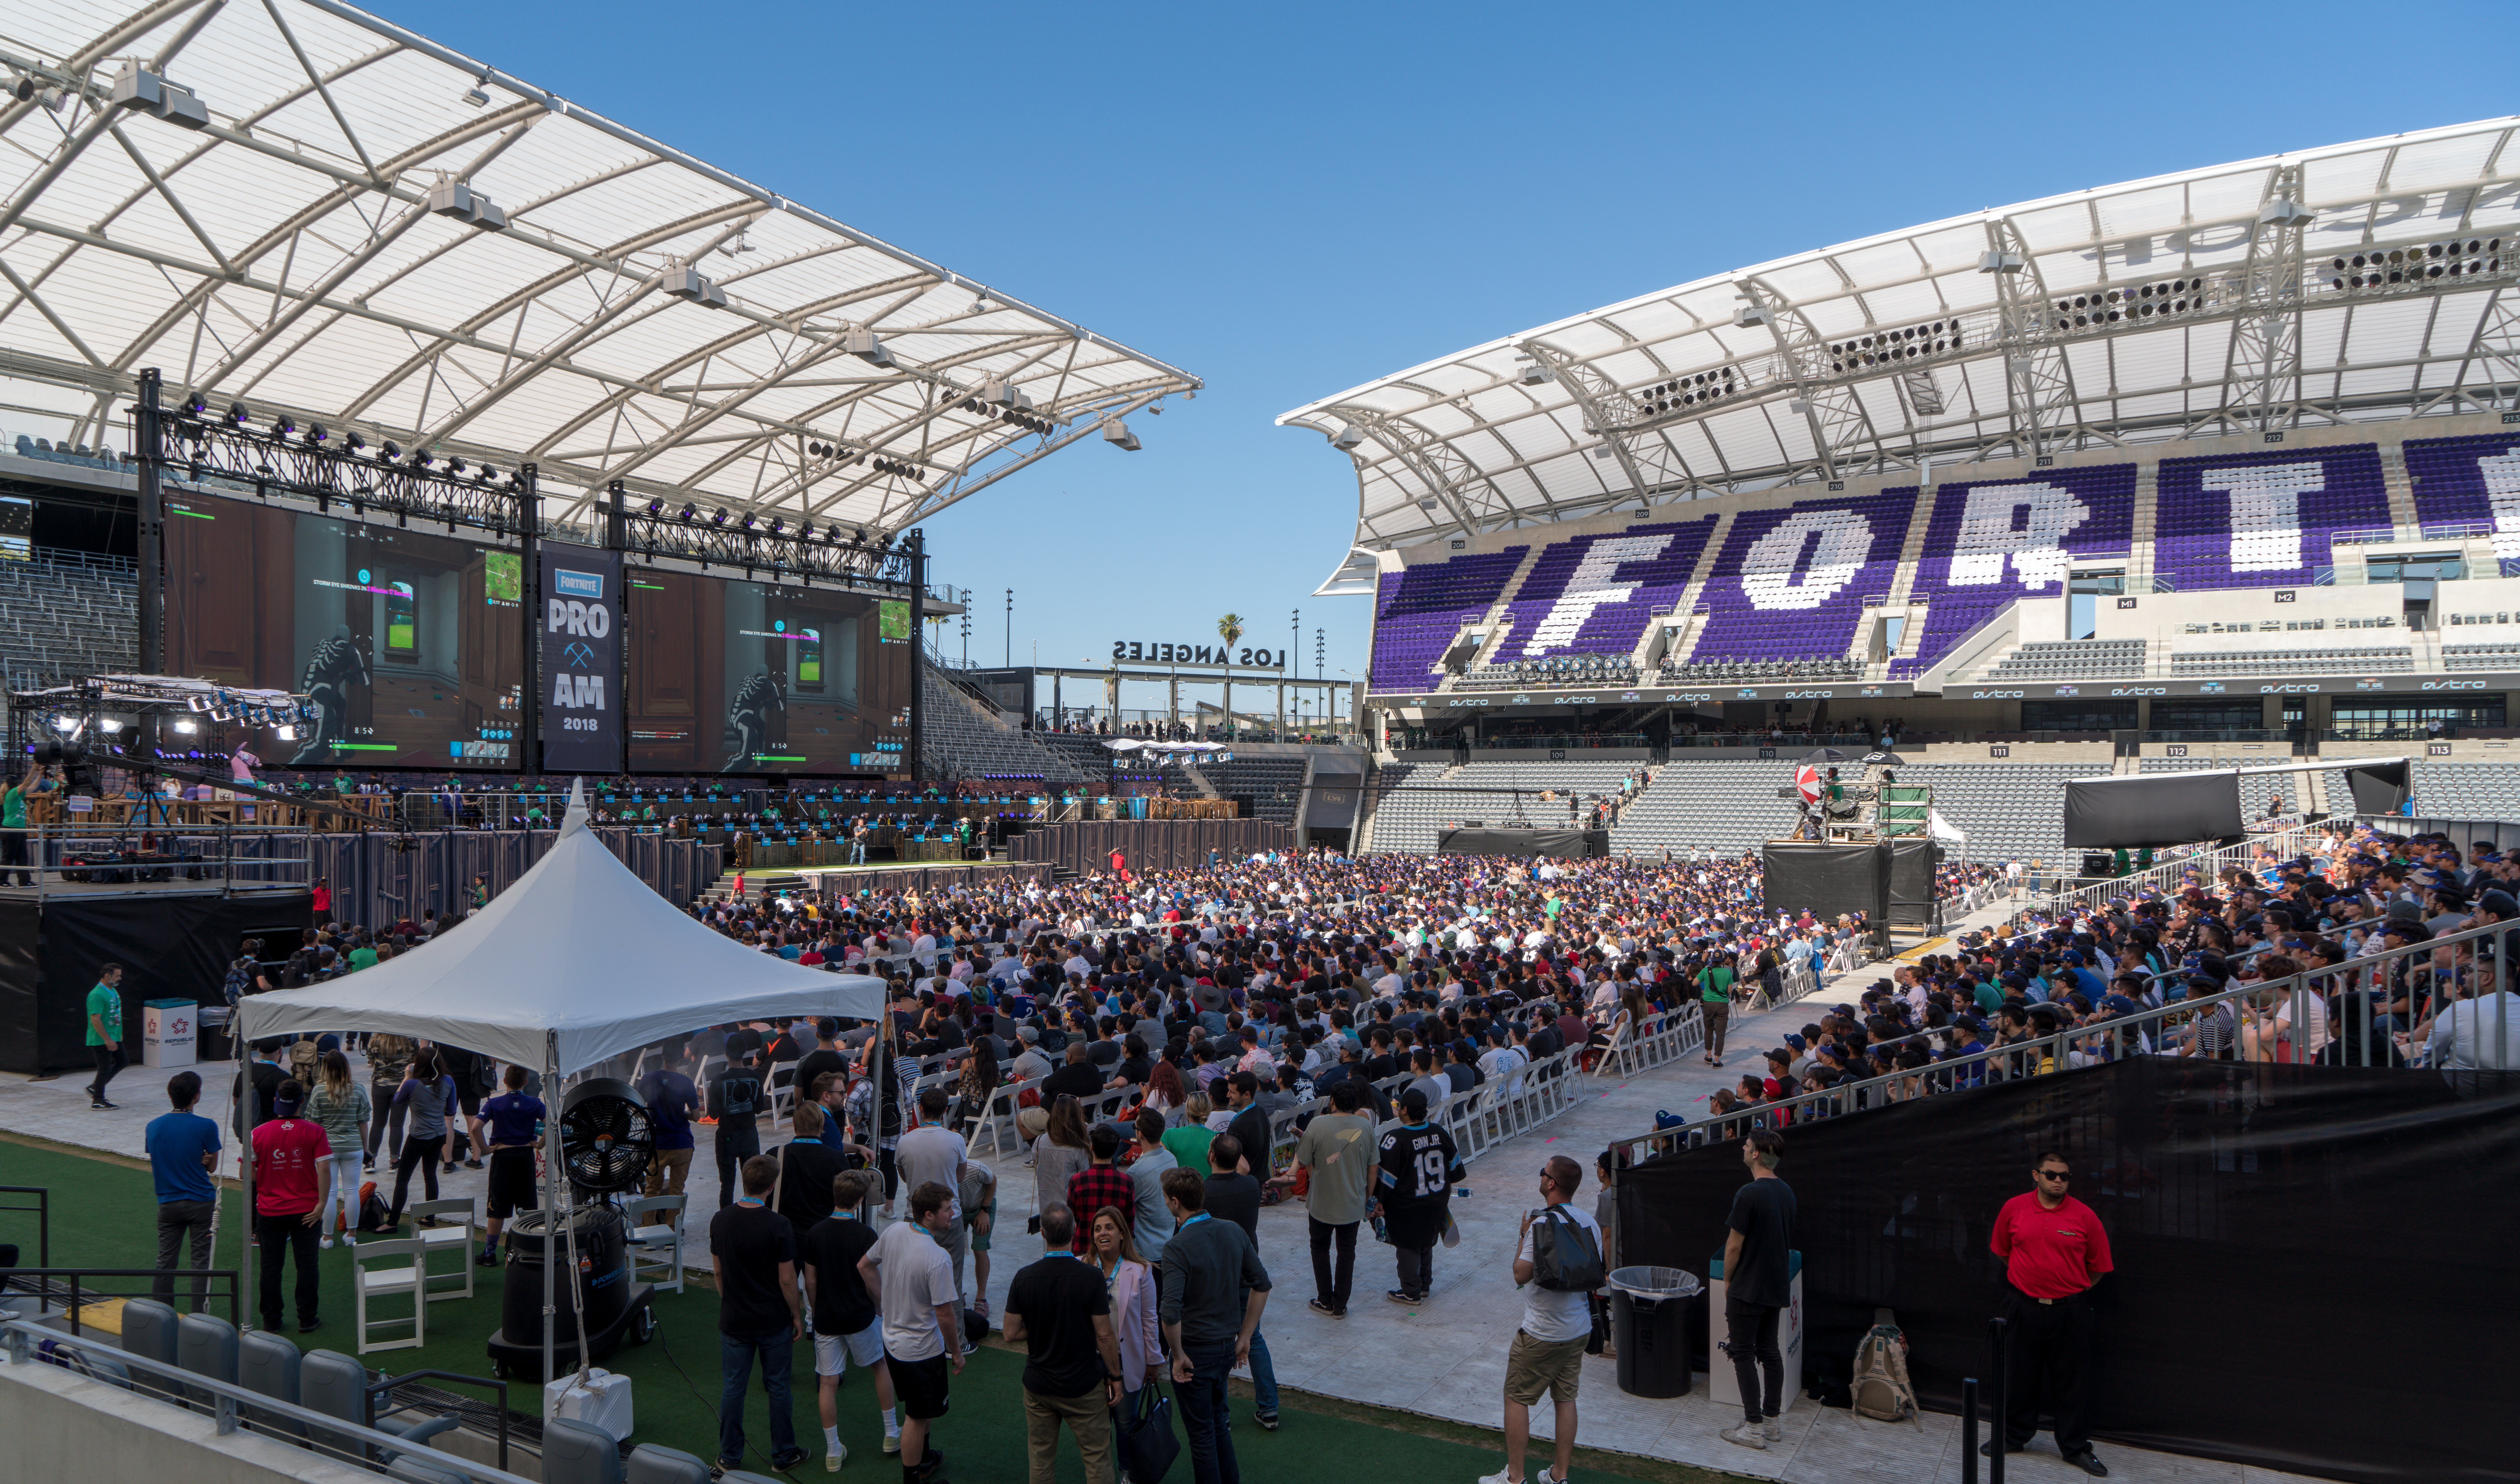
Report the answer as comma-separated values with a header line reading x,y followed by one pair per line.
x,y
577,961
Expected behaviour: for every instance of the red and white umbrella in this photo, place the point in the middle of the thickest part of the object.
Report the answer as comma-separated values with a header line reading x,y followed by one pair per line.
x,y
1807,783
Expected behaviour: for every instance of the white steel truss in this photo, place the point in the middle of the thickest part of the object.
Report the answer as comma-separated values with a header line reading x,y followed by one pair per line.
x,y
366,229
2184,305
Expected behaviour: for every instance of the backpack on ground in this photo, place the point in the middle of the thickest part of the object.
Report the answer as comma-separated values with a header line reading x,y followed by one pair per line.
x,y
1881,1389
372,1208
1565,1256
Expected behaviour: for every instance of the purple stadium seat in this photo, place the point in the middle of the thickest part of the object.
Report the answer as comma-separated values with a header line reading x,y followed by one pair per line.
x,y
2474,478
1993,541
1790,583
1594,595
1419,610
2262,519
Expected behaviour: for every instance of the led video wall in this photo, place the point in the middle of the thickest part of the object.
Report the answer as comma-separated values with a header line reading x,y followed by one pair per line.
x,y
750,677
411,643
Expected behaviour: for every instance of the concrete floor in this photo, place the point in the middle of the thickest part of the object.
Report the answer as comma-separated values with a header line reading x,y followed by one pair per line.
x,y
1443,1358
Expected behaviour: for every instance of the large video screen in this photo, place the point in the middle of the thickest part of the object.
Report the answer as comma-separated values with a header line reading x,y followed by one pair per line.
x,y
412,644
747,677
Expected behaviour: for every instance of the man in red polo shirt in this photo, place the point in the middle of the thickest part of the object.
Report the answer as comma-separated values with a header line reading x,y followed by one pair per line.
x,y
293,1173
2053,1249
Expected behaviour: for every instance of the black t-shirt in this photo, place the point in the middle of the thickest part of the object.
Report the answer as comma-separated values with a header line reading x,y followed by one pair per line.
x,y
1082,1079
1103,1053
1059,1297
1136,1070
805,1170
734,1097
1763,1212
832,1247
1252,1125
813,1064
748,1244
1236,1199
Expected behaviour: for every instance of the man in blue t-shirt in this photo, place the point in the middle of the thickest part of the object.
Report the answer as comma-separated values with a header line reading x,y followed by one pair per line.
x,y
183,1151
511,1125
673,1100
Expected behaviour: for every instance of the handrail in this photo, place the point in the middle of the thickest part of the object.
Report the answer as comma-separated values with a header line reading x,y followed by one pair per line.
x,y
73,1293
2006,1060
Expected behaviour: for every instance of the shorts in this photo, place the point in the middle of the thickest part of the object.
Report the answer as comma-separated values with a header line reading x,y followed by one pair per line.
x,y
919,1385
834,1352
1536,1366
512,1182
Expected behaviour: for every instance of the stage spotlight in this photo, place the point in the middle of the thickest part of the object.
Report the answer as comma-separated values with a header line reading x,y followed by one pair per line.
x,y
691,512
862,535
238,415
804,530
108,726
352,441
192,406
455,467
285,733
284,426
656,507
422,458
720,518
186,728
749,520
778,525
315,434
486,474
65,724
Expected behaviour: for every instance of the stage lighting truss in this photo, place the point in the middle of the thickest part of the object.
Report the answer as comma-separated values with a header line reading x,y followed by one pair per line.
x,y
102,715
767,547
201,446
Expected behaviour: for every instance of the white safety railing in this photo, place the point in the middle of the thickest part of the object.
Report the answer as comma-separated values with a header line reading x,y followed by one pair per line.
x,y
1662,1037
2367,1011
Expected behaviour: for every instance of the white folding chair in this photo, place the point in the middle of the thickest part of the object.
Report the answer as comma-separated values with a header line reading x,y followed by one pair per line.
x,y
656,1247
461,1236
409,1276
783,1098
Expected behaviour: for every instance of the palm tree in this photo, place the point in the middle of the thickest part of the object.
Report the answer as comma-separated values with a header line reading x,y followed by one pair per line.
x,y
1230,629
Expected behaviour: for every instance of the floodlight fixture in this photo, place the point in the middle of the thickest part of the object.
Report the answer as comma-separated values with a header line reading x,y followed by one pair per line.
x,y
285,733
688,282
187,727
867,346
1750,314
458,200
147,92
2000,262
1347,438
1116,433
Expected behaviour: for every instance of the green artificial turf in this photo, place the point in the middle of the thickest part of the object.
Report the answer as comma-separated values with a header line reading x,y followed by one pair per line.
x,y
104,1215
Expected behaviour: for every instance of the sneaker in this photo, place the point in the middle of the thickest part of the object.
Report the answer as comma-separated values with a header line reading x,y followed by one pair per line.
x,y
471,1164
838,1456
1402,1297
720,1469
1772,1430
1268,1420
309,1326
892,1442
1499,1477
780,1462
487,1260
1318,1307
1747,1434
325,1243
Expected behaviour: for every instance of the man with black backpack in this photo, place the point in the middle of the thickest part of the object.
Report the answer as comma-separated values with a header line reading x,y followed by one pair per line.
x,y
1558,1265
734,1101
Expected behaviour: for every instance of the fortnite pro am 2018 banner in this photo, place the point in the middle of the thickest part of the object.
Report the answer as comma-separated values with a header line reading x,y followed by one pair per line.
x,y
580,624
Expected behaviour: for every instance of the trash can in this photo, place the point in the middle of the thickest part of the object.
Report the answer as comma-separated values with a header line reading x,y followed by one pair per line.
x,y
214,1045
1650,1309
168,1032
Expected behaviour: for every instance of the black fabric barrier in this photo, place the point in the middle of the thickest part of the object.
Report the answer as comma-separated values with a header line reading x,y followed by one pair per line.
x,y
1827,877
2152,809
2380,789
1911,881
1148,844
1498,840
171,946
2313,1263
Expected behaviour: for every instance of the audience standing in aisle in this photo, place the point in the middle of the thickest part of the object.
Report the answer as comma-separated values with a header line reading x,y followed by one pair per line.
x,y
759,1316
1214,1288
1758,1285
1059,1309
183,1154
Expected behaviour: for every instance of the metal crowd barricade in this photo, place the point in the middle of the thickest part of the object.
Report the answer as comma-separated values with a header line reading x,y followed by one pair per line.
x,y
999,1119
1664,1037
2336,1004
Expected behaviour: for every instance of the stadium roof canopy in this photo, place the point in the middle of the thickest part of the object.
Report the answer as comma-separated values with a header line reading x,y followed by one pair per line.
x,y
2241,295
296,204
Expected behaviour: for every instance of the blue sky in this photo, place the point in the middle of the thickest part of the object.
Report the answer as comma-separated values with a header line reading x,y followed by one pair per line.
x,y
1289,199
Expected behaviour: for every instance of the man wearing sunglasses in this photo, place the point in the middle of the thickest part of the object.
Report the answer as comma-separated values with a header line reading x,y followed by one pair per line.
x,y
2053,1250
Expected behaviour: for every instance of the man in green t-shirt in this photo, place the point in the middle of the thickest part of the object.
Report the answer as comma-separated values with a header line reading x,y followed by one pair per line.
x,y
1715,1003
13,823
105,1031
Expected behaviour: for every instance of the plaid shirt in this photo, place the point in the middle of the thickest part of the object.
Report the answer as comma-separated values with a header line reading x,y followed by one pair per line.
x,y
1097,1186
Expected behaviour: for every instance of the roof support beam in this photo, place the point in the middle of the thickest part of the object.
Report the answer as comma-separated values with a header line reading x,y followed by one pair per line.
x,y
1830,409
1648,459
2265,360
2038,384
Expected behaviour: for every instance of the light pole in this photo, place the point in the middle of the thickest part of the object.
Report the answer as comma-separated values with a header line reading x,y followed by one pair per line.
x,y
967,628
1010,628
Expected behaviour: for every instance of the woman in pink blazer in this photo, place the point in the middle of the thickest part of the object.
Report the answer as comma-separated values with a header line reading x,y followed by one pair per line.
x,y
1133,1301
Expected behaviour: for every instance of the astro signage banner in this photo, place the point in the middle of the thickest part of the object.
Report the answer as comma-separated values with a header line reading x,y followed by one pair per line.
x,y
580,629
